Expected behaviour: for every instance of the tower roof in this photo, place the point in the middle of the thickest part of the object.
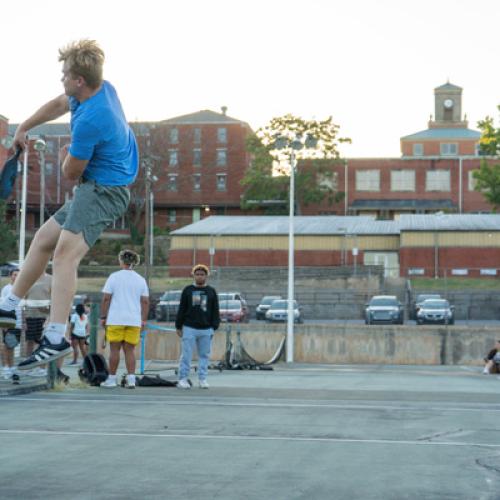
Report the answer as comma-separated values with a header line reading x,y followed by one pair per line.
x,y
448,86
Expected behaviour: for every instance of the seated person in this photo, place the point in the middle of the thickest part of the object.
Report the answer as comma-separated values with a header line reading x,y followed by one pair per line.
x,y
492,360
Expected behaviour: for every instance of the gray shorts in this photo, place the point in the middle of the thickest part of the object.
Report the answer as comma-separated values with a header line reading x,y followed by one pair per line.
x,y
92,209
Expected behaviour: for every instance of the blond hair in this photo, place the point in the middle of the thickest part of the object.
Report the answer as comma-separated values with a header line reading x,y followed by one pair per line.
x,y
201,267
84,58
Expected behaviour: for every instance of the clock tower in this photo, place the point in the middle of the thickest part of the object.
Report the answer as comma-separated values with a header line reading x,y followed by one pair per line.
x,y
448,107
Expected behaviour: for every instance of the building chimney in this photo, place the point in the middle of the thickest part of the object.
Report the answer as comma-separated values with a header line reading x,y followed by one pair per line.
x,y
224,110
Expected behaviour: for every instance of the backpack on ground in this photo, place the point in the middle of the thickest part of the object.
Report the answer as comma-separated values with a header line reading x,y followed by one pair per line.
x,y
94,369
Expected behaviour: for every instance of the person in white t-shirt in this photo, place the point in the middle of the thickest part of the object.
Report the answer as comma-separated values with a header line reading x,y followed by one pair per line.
x,y
79,329
124,311
7,351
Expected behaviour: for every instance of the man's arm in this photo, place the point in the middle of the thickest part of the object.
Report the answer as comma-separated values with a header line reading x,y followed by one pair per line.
x,y
49,111
144,309
72,168
105,302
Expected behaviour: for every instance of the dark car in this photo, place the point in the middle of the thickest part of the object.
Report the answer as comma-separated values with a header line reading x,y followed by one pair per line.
x,y
436,311
233,311
168,305
384,309
264,305
6,268
419,300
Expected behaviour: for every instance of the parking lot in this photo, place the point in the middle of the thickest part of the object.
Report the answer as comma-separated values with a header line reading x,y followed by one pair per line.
x,y
298,432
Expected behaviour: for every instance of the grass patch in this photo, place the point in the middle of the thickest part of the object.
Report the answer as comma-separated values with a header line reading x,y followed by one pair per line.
x,y
455,283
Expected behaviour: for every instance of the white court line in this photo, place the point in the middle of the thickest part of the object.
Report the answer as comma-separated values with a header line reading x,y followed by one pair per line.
x,y
235,437
480,407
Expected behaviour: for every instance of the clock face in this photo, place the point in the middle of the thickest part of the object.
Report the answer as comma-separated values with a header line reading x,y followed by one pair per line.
x,y
448,103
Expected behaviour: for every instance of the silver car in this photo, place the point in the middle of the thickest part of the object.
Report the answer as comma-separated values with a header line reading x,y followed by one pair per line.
x,y
279,311
264,305
436,311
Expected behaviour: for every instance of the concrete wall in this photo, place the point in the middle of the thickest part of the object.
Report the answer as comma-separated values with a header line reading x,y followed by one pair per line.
x,y
345,344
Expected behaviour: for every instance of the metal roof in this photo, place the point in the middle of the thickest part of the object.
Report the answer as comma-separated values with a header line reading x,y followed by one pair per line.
x,y
278,225
48,129
448,86
204,116
450,222
444,133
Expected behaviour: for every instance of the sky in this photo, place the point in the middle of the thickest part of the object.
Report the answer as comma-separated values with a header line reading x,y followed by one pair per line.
x,y
371,65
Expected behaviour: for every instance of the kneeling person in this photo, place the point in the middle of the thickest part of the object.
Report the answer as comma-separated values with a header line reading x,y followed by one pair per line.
x,y
124,311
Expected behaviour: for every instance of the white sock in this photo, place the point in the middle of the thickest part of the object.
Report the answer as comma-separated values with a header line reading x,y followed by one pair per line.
x,y
112,378
131,378
10,302
54,332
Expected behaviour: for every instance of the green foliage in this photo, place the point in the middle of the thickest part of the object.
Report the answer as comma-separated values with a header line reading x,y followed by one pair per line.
x,y
488,176
314,177
8,240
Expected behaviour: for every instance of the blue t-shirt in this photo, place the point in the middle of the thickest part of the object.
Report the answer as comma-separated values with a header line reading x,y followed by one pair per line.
x,y
100,134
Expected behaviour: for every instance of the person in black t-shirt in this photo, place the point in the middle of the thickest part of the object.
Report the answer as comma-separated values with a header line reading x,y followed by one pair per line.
x,y
197,319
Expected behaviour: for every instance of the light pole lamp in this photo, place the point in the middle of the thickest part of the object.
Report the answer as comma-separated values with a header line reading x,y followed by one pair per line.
x,y
291,146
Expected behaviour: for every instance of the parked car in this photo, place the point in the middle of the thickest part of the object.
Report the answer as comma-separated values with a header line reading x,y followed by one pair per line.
x,y
418,302
435,311
226,296
233,311
264,305
278,311
168,305
384,309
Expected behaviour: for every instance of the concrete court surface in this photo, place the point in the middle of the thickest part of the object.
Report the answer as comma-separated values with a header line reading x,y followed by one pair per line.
x,y
298,432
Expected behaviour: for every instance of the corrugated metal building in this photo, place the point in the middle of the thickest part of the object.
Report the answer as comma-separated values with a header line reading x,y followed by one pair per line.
x,y
425,245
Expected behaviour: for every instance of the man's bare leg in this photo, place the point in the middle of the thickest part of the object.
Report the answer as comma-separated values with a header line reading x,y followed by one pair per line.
x,y
37,258
70,250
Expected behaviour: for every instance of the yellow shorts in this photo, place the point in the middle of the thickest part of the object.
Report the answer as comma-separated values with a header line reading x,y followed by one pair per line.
x,y
119,333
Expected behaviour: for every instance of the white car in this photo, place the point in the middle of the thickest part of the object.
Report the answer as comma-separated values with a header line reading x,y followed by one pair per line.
x,y
279,311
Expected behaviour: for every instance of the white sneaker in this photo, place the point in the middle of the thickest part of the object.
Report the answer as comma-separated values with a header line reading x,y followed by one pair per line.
x,y
486,371
204,384
130,382
109,383
183,384
7,372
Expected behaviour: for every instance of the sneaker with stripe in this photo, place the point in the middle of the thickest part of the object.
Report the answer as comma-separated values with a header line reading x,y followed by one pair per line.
x,y
45,353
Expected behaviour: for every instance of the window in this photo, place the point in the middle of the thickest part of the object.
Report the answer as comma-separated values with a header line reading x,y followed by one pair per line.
x,y
222,134
472,181
448,148
197,135
173,158
221,157
50,147
437,180
488,272
416,271
221,182
418,150
197,157
367,180
174,136
403,180
172,215
459,272
49,168
197,182
120,223
327,181
172,182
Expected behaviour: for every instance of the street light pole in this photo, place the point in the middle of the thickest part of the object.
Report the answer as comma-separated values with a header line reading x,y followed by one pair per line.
x,y
24,192
41,146
291,250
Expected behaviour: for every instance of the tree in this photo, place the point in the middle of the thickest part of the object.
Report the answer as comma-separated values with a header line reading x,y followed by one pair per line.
x,y
8,241
488,176
266,183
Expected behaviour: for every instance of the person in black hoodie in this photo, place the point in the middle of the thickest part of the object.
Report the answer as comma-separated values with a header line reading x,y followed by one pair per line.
x,y
197,319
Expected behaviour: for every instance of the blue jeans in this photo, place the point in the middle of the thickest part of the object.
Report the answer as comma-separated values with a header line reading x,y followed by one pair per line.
x,y
203,340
